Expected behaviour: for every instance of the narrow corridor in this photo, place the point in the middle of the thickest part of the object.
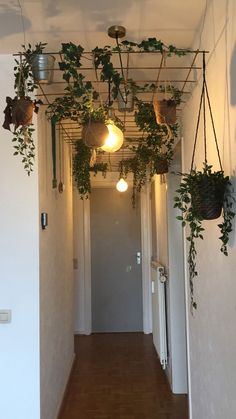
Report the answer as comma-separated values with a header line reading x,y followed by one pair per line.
x,y
118,376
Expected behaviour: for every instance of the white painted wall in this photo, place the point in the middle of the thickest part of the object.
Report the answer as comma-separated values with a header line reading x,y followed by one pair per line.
x,y
56,276
82,265
176,285
212,329
170,255
19,275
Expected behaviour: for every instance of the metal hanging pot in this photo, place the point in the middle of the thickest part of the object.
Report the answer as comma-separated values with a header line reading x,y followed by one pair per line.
x,y
42,68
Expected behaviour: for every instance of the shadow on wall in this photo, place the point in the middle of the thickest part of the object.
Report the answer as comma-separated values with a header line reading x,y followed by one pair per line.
x,y
10,20
102,12
233,77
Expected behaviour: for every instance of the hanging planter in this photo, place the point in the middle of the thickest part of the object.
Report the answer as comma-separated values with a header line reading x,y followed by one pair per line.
x,y
165,111
204,195
42,68
22,111
207,194
160,165
94,134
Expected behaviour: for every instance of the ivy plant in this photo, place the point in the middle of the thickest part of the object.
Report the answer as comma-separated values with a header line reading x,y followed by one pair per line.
x,y
82,168
19,110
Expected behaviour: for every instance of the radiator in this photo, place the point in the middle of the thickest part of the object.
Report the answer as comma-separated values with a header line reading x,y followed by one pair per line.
x,y
159,321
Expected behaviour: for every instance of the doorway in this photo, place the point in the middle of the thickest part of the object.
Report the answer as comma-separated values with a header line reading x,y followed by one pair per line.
x,y
116,274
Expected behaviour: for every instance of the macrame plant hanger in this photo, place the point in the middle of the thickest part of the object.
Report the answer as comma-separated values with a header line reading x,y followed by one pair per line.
x,y
204,96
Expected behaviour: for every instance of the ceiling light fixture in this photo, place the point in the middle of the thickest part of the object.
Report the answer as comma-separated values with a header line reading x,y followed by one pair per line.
x,y
115,138
122,185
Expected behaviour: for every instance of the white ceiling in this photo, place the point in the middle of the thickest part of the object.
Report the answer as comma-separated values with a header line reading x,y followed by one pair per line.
x,y
85,22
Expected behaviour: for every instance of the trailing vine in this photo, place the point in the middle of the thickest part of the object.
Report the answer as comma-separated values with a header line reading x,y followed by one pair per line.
x,y
81,168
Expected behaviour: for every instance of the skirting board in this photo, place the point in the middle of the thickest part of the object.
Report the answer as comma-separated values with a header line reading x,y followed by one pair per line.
x,y
62,404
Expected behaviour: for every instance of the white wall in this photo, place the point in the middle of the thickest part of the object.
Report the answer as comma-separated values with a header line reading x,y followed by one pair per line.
x,y
19,275
56,275
170,255
212,329
82,271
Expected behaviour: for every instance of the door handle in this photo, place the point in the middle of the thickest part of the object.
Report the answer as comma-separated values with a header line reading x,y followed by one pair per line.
x,y
138,258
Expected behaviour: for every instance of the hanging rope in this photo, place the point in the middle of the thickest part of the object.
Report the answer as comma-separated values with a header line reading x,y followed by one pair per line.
x,y
205,94
204,109
157,79
98,83
213,127
196,133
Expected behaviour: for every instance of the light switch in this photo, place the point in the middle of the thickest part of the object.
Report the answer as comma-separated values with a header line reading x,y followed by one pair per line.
x,y
5,316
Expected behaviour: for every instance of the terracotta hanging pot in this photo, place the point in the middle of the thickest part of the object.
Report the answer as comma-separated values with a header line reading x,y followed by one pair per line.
x,y
165,111
42,68
207,198
22,112
19,111
94,134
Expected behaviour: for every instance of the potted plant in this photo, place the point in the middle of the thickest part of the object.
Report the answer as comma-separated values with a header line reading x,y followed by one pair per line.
x,y
42,65
158,139
165,109
19,112
94,131
203,195
82,168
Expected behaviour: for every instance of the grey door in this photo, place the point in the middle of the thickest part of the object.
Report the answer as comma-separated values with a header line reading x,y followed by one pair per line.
x,y
116,276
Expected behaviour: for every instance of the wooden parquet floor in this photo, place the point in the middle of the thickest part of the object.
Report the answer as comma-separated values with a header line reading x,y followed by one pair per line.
x,y
118,376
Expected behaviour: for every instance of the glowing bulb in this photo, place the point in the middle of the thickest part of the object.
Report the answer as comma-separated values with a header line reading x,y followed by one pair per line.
x,y
122,185
114,139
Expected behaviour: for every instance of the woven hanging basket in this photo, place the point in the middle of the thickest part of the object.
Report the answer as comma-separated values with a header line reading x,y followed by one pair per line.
x,y
207,198
160,166
22,112
165,111
94,134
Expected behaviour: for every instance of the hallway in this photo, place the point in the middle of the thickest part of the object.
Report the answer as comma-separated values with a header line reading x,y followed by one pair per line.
x,y
118,376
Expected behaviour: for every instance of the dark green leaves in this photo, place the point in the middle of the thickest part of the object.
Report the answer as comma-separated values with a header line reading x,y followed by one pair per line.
x,y
24,146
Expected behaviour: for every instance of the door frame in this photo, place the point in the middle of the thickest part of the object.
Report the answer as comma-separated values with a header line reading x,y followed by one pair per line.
x,y
82,270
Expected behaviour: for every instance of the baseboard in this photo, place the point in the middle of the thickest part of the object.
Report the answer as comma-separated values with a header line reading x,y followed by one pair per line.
x,y
64,393
82,332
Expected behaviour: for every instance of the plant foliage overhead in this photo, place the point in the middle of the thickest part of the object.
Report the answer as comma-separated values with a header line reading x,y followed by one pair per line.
x,y
78,102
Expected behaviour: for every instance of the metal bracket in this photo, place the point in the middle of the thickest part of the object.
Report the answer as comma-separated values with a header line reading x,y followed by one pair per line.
x,y
163,275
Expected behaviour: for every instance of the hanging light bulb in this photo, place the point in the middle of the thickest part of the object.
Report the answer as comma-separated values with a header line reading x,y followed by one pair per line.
x,y
114,139
122,185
